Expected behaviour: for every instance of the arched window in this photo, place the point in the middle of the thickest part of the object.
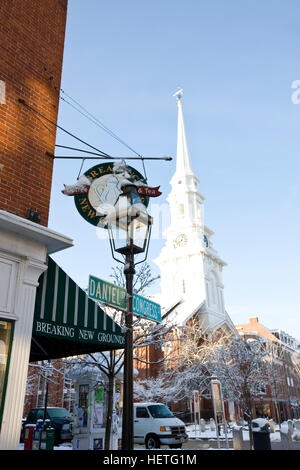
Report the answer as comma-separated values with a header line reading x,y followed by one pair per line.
x,y
214,288
214,292
181,210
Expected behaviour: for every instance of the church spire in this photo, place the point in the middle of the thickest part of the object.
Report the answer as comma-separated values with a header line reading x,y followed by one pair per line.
x,y
183,160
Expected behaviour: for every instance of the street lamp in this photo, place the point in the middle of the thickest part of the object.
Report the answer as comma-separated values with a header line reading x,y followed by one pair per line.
x,y
129,228
48,370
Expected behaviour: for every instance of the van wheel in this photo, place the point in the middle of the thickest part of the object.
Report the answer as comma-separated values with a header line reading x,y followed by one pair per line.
x,y
152,442
175,446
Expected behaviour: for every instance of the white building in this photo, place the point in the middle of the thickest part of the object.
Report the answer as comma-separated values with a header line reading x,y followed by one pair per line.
x,y
287,340
191,269
24,247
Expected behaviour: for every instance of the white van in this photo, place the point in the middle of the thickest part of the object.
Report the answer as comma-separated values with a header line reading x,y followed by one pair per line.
x,y
155,424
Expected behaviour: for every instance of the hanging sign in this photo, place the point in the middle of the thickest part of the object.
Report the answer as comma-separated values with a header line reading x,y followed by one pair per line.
x,y
97,191
147,191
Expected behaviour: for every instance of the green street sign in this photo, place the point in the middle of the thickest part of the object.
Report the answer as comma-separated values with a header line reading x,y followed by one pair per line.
x,y
107,293
115,296
146,308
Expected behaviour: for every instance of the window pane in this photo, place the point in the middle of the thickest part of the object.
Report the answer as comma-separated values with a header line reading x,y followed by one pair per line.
x,y
142,413
58,413
40,414
160,411
5,338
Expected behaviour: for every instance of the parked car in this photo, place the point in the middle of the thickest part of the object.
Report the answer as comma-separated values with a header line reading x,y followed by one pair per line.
x,y
60,418
260,424
155,424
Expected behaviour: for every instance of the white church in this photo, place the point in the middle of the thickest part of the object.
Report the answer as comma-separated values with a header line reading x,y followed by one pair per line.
x,y
190,267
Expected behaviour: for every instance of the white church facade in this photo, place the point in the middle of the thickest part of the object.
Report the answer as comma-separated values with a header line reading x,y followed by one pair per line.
x,y
190,267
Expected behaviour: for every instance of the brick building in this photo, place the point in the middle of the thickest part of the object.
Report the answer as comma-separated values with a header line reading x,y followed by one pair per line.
x,y
32,37
60,387
32,42
281,398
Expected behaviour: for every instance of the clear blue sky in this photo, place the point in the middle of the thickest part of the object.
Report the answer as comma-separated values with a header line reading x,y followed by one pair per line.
x,y
236,61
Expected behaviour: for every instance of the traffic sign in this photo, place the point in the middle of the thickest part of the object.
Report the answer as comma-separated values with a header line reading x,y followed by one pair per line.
x,y
108,293
146,308
115,296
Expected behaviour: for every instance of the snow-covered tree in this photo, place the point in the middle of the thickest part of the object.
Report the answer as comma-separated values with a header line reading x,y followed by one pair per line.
x,y
239,365
152,390
143,278
190,368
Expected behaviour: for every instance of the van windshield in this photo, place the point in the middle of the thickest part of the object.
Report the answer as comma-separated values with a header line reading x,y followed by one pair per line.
x,y
160,411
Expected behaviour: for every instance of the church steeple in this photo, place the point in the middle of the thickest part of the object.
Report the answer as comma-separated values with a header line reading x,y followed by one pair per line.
x,y
191,270
183,160
186,202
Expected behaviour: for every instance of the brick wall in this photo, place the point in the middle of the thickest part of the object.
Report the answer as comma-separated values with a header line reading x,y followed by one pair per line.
x,y
36,388
32,36
256,328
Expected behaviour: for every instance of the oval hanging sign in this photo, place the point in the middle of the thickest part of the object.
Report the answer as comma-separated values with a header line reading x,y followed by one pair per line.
x,y
97,191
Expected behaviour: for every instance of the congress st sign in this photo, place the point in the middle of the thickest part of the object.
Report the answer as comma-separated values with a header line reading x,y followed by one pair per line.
x,y
146,308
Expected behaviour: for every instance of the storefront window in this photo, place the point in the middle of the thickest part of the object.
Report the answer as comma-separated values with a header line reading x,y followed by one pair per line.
x,y
5,345
263,411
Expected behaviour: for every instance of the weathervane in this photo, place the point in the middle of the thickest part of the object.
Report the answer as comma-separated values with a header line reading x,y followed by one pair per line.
x,y
178,94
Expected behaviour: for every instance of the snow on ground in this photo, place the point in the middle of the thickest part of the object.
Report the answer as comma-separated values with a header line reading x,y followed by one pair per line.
x,y
195,433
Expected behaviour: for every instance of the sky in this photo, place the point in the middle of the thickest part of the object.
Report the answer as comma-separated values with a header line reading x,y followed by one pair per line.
x,y
237,63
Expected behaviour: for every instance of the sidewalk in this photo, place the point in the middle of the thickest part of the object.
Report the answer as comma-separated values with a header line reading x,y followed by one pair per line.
x,y
207,439
209,444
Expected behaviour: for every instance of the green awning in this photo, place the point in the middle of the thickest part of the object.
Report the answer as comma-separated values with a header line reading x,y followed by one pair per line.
x,y
67,322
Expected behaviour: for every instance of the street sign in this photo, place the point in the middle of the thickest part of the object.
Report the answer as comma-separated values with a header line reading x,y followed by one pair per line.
x,y
107,293
146,308
115,296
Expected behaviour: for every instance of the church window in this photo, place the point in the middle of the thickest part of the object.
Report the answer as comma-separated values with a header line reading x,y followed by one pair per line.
x,y
208,294
181,209
213,289
221,300
183,286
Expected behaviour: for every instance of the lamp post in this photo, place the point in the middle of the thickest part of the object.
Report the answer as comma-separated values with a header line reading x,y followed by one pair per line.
x,y
129,228
48,369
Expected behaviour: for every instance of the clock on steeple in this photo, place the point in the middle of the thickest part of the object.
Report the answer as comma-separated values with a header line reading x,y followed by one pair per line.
x,y
180,240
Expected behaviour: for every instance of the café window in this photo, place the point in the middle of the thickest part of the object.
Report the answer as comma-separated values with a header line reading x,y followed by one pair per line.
x,y
5,347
